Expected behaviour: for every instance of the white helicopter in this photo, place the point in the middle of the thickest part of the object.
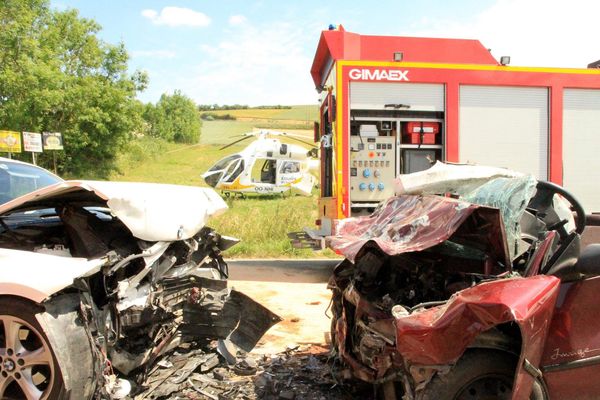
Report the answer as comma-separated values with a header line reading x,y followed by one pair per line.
x,y
265,166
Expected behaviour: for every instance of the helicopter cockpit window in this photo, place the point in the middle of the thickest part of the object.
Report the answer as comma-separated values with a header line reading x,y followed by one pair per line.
x,y
290,167
222,164
234,170
223,168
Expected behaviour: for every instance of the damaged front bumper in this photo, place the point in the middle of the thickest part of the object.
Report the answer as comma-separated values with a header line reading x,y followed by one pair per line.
x,y
125,338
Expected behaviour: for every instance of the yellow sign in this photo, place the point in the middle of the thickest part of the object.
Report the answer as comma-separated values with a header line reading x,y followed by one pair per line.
x,y
10,141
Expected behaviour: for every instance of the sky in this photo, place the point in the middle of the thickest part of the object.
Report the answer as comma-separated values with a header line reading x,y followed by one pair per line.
x,y
259,52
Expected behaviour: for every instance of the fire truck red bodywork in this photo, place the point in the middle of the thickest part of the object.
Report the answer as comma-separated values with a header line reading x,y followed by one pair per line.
x,y
343,57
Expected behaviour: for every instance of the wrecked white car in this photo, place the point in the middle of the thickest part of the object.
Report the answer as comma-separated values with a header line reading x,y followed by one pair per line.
x,y
99,279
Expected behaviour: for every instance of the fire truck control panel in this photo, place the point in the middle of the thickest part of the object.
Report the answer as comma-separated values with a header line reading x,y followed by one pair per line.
x,y
372,167
380,150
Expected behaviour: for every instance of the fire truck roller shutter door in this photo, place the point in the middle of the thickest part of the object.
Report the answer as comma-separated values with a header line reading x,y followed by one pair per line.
x,y
581,160
505,127
418,96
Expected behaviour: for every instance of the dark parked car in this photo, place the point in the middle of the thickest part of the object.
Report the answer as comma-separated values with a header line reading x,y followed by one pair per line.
x,y
18,178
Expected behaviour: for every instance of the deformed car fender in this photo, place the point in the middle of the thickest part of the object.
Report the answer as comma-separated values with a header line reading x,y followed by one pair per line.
x,y
440,335
36,276
71,345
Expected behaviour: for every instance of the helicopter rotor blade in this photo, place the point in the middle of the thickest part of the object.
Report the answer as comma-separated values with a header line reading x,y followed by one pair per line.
x,y
293,136
245,134
235,142
302,141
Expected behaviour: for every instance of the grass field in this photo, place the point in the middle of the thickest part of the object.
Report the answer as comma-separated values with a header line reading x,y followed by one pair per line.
x,y
299,113
222,132
297,117
261,222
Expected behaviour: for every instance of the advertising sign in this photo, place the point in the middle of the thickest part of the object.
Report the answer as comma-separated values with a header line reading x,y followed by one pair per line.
x,y
32,142
52,141
10,141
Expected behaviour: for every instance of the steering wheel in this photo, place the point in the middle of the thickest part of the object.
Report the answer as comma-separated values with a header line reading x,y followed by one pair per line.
x,y
543,201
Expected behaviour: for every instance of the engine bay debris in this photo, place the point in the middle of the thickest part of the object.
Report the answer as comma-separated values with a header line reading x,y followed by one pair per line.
x,y
298,373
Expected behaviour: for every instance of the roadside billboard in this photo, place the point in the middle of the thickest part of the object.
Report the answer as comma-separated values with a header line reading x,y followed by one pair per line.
x,y
52,141
32,142
10,141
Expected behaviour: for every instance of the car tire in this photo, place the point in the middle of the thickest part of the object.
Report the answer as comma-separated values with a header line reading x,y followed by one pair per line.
x,y
479,374
27,361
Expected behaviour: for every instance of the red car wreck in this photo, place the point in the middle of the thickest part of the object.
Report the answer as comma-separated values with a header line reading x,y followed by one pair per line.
x,y
468,284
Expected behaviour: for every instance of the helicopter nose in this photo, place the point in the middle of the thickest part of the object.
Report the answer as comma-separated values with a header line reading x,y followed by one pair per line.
x,y
211,179
210,182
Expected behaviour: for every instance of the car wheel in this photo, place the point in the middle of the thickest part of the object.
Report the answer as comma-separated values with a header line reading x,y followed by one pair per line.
x,y
28,367
477,375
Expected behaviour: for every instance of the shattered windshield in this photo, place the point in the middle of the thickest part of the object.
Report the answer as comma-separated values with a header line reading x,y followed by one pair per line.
x,y
500,188
481,207
510,196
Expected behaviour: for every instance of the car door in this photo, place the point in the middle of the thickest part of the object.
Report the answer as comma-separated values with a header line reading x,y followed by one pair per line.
x,y
571,357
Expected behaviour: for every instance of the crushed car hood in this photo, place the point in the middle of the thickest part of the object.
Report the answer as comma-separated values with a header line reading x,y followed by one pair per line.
x,y
152,212
420,216
414,223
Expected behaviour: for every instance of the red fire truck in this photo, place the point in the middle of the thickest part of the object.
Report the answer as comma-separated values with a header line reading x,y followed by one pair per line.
x,y
392,105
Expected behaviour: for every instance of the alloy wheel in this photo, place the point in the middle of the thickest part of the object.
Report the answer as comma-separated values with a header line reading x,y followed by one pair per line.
x,y
26,361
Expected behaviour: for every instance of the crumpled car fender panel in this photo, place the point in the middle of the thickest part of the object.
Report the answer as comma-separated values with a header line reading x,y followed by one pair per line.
x,y
440,335
44,274
422,337
71,345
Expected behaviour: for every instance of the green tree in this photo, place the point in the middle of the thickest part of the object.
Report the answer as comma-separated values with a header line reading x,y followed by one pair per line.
x,y
57,75
174,118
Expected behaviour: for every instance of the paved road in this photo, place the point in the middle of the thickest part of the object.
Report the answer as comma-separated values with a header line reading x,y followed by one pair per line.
x,y
295,290
293,271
